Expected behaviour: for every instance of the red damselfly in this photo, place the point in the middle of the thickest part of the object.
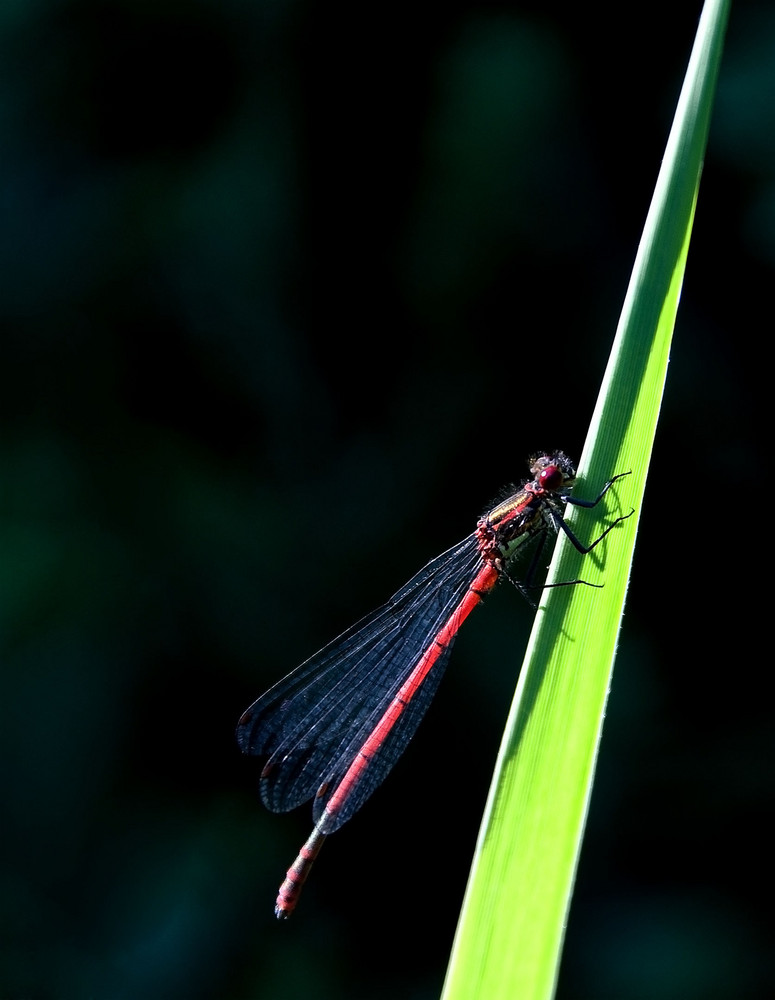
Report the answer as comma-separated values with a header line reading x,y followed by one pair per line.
x,y
334,727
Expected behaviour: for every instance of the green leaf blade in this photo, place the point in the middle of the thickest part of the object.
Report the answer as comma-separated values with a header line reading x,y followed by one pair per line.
x,y
511,928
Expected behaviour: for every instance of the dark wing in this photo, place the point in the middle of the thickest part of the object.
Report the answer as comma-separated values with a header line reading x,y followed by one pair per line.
x,y
312,723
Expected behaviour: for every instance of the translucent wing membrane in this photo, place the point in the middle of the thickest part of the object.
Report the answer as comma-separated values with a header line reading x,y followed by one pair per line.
x,y
300,723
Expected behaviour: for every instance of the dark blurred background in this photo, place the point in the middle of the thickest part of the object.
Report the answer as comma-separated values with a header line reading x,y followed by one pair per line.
x,y
289,292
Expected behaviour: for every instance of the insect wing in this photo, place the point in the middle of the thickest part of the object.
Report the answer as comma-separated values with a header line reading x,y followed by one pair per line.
x,y
312,723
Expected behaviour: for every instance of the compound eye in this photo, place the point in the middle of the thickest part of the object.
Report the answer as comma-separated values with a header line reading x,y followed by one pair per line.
x,y
550,478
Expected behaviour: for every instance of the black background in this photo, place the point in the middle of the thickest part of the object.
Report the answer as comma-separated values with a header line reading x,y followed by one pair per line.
x,y
289,292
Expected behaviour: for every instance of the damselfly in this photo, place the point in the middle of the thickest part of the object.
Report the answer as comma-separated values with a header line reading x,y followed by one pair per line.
x,y
334,727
